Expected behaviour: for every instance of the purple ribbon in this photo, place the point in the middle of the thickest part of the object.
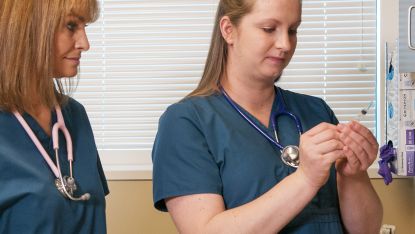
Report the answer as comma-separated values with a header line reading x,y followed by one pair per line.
x,y
387,156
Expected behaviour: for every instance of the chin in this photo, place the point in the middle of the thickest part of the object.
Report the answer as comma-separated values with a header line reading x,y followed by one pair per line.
x,y
273,72
69,74
72,74
62,74
277,77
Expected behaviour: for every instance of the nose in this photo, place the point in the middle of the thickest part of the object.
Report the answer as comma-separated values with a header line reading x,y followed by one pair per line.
x,y
284,41
82,42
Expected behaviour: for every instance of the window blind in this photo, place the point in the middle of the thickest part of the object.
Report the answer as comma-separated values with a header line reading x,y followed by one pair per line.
x,y
148,54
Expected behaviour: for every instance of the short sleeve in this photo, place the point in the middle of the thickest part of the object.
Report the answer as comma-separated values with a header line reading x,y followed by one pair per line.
x,y
102,176
333,118
182,162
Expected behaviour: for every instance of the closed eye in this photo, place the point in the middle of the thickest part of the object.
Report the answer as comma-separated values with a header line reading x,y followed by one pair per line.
x,y
292,31
268,30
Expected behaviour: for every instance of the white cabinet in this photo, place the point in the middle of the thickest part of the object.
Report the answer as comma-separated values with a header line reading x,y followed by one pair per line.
x,y
406,36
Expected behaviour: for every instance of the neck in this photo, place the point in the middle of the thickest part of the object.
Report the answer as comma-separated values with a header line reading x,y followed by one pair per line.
x,y
42,114
254,96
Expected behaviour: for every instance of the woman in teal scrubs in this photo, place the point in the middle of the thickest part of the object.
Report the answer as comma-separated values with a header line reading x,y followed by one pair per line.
x,y
41,42
217,173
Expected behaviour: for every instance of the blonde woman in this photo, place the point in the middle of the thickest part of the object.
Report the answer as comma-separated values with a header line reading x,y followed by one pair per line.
x,y
50,174
240,155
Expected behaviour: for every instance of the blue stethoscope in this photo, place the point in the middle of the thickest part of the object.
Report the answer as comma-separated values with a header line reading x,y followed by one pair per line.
x,y
290,154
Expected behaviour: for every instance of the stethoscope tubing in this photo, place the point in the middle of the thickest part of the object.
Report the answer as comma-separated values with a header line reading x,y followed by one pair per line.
x,y
37,143
284,112
59,125
273,116
56,169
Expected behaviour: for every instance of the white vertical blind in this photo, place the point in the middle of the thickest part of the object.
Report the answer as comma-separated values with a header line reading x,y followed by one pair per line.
x,y
148,54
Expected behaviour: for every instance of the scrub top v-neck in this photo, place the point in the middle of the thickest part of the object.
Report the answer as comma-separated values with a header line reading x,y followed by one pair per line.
x,y
204,146
29,200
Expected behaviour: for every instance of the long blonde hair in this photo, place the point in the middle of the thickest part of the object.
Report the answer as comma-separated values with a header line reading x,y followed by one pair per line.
x,y
218,51
216,61
27,39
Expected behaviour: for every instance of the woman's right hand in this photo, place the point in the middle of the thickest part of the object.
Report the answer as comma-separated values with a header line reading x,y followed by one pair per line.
x,y
319,147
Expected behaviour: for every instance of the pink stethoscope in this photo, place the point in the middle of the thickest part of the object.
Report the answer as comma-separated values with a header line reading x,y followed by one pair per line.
x,y
65,184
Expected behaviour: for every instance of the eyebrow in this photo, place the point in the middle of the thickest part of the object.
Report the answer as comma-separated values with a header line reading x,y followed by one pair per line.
x,y
297,23
81,18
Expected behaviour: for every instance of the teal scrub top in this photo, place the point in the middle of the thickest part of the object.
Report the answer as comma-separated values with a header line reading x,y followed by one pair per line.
x,y
29,200
204,146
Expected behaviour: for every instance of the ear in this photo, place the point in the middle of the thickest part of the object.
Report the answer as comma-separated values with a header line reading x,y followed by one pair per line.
x,y
227,29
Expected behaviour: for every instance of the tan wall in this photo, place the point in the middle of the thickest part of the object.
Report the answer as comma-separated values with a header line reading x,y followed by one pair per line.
x,y
130,210
398,199
130,207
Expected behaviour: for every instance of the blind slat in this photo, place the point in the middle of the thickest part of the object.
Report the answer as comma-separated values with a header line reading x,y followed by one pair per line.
x,y
146,55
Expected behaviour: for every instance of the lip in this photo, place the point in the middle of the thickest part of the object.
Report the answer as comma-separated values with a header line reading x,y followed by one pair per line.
x,y
276,60
75,60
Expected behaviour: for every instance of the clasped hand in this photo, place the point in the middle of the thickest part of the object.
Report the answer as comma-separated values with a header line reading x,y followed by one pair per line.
x,y
360,149
352,147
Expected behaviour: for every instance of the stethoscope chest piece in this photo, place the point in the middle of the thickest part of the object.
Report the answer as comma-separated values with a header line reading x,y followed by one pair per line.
x,y
69,184
290,155
65,184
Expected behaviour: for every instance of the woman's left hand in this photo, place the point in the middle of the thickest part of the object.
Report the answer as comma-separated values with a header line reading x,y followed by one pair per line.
x,y
360,149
